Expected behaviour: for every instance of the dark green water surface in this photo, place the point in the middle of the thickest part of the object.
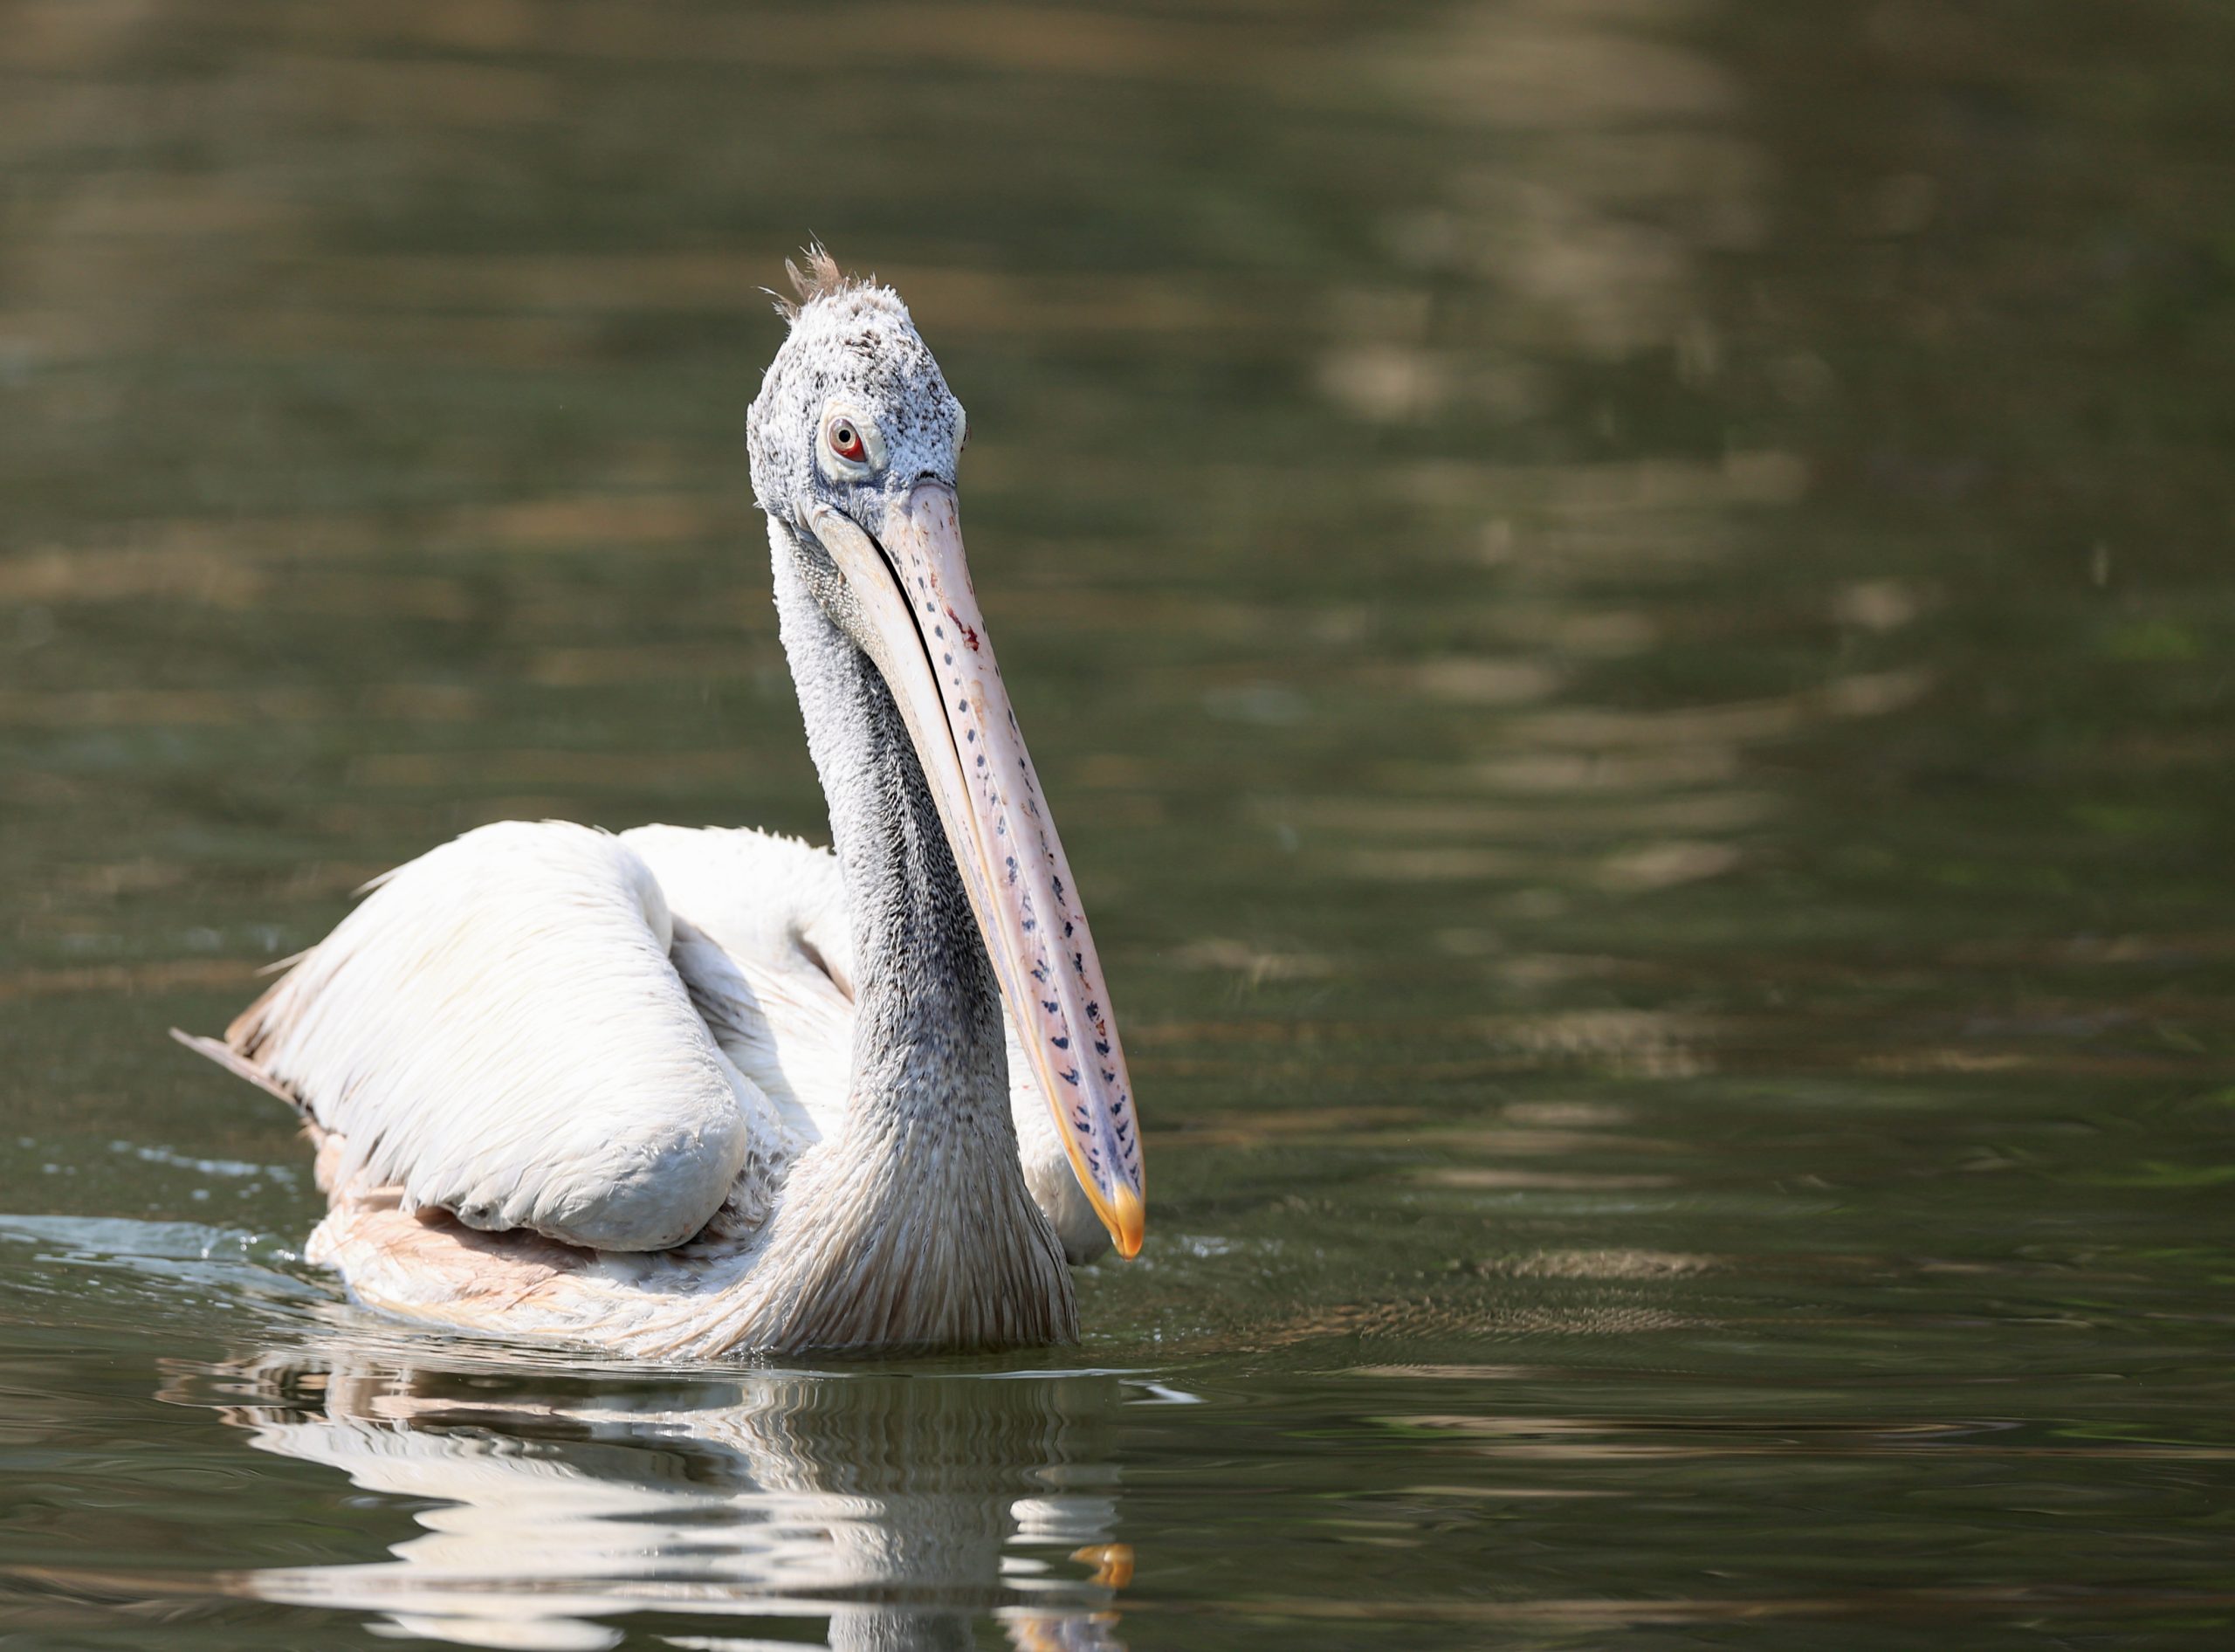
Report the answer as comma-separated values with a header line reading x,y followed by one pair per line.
x,y
1625,606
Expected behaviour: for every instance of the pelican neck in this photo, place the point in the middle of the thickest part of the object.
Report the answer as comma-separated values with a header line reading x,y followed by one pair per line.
x,y
928,1041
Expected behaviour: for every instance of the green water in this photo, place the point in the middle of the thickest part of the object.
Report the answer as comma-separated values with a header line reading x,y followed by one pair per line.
x,y
1625,607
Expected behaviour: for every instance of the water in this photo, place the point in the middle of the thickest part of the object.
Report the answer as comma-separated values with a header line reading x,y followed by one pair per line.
x,y
1623,606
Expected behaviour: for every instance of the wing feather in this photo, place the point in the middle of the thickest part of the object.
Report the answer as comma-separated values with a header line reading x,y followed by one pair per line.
x,y
497,1031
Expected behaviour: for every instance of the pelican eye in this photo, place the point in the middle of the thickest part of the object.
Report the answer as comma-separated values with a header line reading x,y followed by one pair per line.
x,y
851,449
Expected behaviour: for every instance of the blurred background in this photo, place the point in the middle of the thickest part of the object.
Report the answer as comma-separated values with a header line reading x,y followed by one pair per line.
x,y
1625,607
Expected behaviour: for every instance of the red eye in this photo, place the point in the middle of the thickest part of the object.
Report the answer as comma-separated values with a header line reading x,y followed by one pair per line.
x,y
846,441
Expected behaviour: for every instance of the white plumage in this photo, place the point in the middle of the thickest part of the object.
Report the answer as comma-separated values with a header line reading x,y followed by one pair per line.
x,y
655,1025
579,1096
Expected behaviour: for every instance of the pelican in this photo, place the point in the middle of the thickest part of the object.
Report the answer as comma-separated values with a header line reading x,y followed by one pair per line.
x,y
680,1093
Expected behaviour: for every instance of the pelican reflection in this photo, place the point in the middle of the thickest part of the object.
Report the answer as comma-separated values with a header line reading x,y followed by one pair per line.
x,y
901,1508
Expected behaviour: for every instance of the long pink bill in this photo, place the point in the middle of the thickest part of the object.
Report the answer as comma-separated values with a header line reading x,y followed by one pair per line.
x,y
929,640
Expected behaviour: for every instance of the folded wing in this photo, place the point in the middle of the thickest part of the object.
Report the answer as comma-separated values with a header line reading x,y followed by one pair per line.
x,y
499,1031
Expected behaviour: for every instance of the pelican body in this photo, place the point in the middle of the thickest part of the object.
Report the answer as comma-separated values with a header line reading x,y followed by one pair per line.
x,y
677,1093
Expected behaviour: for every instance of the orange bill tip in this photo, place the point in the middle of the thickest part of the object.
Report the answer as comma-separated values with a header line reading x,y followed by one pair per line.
x,y
1128,1222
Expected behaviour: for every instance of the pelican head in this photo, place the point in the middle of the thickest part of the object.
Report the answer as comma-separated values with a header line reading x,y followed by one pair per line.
x,y
854,441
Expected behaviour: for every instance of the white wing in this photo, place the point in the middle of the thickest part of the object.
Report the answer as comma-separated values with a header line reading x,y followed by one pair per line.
x,y
498,1030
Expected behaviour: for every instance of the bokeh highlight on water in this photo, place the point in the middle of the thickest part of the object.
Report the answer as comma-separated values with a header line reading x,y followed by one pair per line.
x,y
1625,606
